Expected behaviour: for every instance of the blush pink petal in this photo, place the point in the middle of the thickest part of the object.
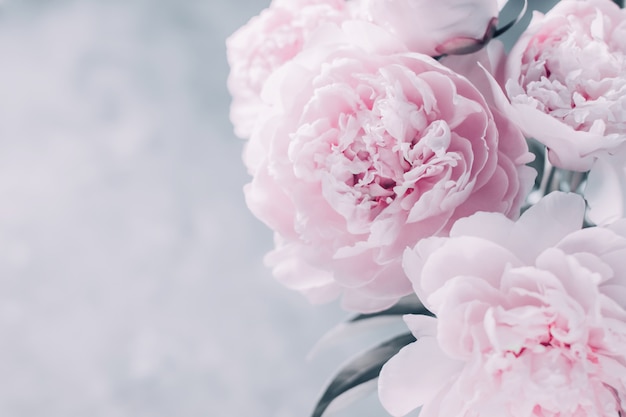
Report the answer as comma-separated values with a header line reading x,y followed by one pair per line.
x,y
437,269
534,231
433,28
462,300
263,195
559,138
398,389
540,227
600,242
413,263
421,325
497,229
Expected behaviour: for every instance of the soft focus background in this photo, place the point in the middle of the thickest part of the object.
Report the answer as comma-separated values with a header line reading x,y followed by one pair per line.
x,y
131,276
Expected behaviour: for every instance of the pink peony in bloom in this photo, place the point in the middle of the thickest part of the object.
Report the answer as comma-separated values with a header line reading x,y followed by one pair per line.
x,y
366,149
265,43
531,319
434,27
566,81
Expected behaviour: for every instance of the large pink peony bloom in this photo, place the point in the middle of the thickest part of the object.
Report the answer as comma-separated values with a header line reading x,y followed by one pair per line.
x,y
531,319
566,80
364,153
434,27
265,43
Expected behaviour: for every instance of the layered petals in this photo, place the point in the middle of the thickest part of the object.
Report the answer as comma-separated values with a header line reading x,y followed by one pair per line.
x,y
533,312
365,149
264,44
565,81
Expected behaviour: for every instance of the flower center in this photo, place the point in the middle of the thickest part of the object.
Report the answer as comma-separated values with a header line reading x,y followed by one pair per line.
x,y
389,158
576,75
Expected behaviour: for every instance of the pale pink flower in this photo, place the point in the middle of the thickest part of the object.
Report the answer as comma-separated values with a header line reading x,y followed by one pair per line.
x,y
434,27
265,43
531,319
365,150
566,80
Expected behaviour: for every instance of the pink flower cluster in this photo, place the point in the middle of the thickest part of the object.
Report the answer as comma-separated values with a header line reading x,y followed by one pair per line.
x,y
281,32
361,146
385,172
531,318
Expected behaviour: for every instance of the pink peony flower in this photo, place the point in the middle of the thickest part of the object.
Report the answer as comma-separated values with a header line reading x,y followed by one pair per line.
x,y
566,80
265,43
434,27
531,318
365,150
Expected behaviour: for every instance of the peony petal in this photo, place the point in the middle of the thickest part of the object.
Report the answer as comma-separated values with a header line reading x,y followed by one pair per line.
x,y
421,325
546,223
491,226
461,257
414,376
413,263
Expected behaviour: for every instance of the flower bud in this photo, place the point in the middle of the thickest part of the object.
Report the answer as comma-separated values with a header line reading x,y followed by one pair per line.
x,y
436,27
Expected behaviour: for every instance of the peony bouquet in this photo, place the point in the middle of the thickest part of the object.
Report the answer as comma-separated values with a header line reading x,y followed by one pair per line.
x,y
411,164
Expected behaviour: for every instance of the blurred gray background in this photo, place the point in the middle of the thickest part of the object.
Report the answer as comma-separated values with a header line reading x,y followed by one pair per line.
x,y
131,276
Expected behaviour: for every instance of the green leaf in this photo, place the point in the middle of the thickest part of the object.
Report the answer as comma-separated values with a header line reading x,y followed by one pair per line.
x,y
407,305
505,11
360,370
539,150
362,326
